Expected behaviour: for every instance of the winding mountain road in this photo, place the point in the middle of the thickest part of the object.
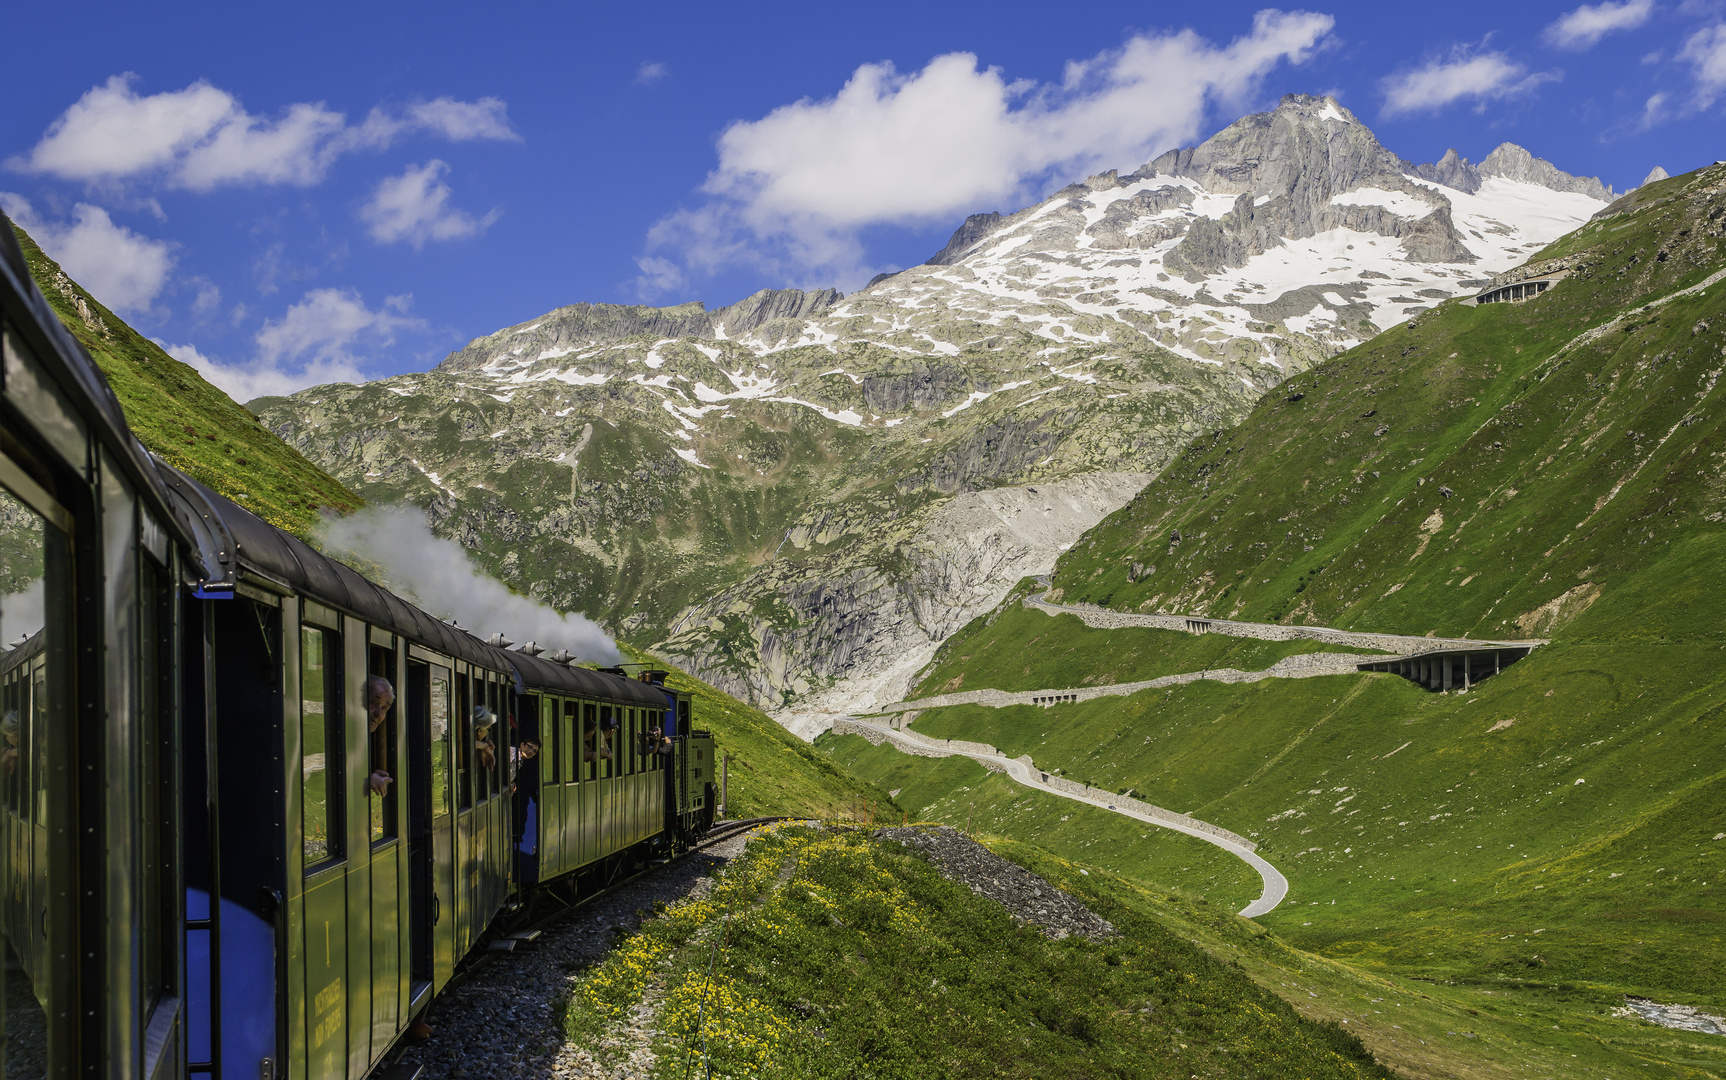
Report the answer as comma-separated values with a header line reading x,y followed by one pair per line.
x,y
1275,885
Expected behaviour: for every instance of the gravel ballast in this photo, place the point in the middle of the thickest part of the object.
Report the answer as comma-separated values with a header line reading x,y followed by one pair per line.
x,y
506,1020
1025,895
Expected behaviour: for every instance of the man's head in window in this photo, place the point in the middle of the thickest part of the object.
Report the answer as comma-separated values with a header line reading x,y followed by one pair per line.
x,y
380,697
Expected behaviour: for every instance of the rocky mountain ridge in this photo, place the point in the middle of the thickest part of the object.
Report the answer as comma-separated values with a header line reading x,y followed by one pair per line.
x,y
767,491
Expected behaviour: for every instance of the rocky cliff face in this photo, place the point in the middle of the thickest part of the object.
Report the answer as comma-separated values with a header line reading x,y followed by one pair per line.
x,y
798,495
563,331
853,631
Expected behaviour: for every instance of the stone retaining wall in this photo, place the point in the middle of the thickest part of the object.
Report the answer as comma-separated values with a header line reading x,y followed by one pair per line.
x,y
1401,644
1304,666
920,745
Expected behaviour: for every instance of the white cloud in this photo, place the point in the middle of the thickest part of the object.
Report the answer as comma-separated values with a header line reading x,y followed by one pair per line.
x,y
245,381
1654,110
1583,28
326,322
457,121
1482,76
658,276
1705,51
650,72
209,297
201,137
415,207
313,343
793,189
122,269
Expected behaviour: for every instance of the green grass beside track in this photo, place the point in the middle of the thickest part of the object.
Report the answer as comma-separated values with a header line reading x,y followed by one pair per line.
x,y
836,956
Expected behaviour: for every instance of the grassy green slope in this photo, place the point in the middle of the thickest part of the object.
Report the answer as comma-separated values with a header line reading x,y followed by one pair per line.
x,y
959,792
1014,648
186,421
1465,473
1539,847
1417,1026
1426,838
847,957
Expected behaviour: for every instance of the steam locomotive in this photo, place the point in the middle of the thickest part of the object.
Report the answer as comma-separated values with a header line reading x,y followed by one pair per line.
x,y
255,810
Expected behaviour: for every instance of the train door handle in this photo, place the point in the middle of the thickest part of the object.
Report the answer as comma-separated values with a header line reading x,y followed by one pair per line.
x,y
437,909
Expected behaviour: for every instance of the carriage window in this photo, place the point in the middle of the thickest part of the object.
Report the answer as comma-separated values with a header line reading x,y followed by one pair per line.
x,y
606,740
574,768
37,740
548,749
584,742
382,750
14,722
440,764
320,745
463,743
486,744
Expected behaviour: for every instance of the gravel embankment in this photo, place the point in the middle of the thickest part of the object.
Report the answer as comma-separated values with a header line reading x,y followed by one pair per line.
x,y
1026,896
506,1020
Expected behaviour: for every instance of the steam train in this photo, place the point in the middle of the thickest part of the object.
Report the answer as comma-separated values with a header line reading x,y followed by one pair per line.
x,y
255,810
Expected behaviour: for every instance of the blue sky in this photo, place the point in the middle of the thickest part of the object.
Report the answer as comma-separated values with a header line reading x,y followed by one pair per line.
x,y
347,191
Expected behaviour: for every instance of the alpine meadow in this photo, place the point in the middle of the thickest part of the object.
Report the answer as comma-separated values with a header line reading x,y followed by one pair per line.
x,y
932,546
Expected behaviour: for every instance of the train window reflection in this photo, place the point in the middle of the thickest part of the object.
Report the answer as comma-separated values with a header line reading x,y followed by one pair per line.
x,y
320,745
28,704
440,687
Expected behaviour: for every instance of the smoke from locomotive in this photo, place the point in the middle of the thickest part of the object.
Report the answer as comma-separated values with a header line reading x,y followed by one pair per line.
x,y
440,576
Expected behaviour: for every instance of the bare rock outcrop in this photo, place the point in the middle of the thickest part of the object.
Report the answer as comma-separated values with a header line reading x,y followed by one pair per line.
x,y
578,325
1514,163
1026,896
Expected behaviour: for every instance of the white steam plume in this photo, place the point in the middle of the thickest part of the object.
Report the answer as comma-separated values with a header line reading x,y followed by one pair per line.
x,y
438,575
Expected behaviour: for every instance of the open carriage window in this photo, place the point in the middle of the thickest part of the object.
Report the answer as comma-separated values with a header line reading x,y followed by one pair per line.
x,y
382,749
487,737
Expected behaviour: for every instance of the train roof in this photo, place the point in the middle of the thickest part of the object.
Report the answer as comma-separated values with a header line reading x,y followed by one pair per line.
x,y
532,673
23,651
78,379
233,543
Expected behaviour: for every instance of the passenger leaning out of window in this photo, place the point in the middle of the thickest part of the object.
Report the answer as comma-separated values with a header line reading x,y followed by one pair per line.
x,y
598,745
380,699
519,756
484,720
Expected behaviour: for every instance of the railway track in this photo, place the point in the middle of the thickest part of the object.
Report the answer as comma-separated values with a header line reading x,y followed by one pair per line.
x,y
466,1043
